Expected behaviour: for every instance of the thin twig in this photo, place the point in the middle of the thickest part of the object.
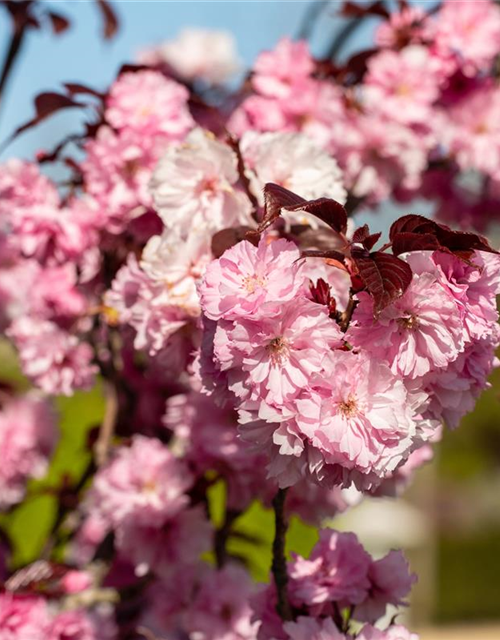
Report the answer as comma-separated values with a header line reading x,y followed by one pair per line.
x,y
107,430
347,314
279,568
222,535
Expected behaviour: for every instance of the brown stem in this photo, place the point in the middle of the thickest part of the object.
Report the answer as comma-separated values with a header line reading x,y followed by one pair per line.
x,y
107,430
278,566
347,315
222,535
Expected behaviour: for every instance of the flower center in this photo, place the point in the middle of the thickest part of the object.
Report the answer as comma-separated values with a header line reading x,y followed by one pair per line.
x,y
278,350
349,408
409,321
250,283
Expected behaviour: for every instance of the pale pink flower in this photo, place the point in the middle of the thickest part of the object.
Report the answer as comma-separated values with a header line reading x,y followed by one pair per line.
x,y
419,332
143,485
474,286
180,541
312,629
201,54
22,185
337,279
117,170
357,417
471,128
295,162
390,583
52,358
402,85
277,72
454,391
279,354
247,277
27,438
23,617
336,571
470,35
377,154
149,104
220,610
194,186
403,27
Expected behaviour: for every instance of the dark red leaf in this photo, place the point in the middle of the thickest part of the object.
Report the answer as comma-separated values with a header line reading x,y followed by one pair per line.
x,y
329,211
364,237
409,241
404,231
74,89
353,10
329,255
110,19
275,199
59,23
227,238
385,276
45,105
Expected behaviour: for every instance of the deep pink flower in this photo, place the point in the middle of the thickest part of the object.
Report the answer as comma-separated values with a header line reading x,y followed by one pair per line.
x,y
23,617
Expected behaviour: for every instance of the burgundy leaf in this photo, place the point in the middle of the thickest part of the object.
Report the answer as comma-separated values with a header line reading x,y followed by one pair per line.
x,y
404,230
409,241
353,10
59,23
364,237
385,276
110,19
227,238
275,199
45,105
329,211
328,254
74,88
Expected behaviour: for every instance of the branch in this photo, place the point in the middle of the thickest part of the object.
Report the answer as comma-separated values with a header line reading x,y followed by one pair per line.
x,y
222,535
107,430
347,314
278,566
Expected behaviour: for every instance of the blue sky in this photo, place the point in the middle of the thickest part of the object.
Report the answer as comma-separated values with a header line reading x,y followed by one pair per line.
x,y
80,55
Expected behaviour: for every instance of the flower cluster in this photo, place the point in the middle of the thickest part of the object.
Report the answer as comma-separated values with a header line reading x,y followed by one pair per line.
x,y
200,267
426,97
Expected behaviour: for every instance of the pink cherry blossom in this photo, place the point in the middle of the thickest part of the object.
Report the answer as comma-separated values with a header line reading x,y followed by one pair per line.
x,y
396,632
312,629
246,277
419,332
402,85
143,485
391,583
194,186
337,570
27,438
280,354
23,617
295,162
148,103
220,609
277,72
55,360
201,54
